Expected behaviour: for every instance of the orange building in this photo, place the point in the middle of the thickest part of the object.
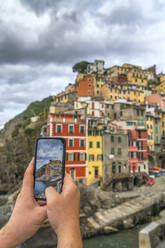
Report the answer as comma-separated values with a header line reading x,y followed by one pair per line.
x,y
85,86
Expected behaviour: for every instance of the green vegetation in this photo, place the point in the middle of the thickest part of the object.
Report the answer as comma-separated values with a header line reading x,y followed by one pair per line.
x,y
19,137
80,67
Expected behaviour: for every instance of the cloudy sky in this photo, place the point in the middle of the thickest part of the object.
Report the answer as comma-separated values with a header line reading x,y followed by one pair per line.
x,y
41,40
49,149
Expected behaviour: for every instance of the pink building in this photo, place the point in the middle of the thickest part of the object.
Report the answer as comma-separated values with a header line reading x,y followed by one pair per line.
x,y
156,99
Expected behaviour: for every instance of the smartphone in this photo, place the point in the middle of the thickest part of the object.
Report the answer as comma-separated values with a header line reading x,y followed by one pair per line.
x,y
49,169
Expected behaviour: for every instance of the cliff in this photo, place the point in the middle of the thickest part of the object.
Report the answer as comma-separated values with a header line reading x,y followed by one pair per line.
x,y
17,141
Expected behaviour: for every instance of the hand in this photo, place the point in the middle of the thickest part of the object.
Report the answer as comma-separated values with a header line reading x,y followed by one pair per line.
x,y
63,213
27,216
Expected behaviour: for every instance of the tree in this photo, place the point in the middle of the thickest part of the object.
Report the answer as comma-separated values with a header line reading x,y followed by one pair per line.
x,y
80,67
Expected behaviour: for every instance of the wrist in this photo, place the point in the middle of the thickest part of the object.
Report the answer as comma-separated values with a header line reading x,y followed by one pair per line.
x,y
7,239
69,235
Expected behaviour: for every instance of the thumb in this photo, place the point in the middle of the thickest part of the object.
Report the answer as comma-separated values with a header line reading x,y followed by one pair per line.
x,y
51,194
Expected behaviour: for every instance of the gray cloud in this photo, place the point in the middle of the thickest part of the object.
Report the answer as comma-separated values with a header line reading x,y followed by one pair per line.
x,y
37,55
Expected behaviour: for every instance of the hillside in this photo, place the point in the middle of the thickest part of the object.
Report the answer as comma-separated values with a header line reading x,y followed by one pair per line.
x,y
17,144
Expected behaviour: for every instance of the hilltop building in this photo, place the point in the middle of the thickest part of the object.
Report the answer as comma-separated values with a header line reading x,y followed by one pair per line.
x,y
96,67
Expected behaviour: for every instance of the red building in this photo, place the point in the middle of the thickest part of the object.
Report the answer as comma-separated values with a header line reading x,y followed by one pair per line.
x,y
72,128
138,152
85,86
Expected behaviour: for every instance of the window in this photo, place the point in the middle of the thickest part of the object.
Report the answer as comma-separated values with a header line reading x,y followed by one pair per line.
x,y
156,149
89,85
157,139
121,113
70,156
72,172
156,129
119,151
81,157
82,129
89,92
71,128
96,172
113,168
137,112
112,138
82,142
98,144
70,142
112,150
119,168
89,79
100,157
142,112
91,157
58,129
90,144
97,92
119,139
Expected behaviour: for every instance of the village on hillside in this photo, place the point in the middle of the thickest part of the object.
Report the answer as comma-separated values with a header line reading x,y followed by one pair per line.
x,y
113,122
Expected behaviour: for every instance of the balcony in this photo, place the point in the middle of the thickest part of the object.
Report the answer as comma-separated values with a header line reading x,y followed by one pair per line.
x,y
133,149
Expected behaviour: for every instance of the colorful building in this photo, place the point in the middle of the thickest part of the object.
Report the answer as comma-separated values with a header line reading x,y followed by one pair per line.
x,y
66,96
85,86
95,150
128,92
138,151
72,127
99,82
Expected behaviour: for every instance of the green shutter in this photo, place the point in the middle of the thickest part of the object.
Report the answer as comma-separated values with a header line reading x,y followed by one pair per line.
x,y
74,157
67,156
78,156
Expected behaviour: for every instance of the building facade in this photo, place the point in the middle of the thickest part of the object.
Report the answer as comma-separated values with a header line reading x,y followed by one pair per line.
x,y
73,129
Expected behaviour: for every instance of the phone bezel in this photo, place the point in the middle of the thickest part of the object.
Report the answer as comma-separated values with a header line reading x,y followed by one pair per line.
x,y
63,162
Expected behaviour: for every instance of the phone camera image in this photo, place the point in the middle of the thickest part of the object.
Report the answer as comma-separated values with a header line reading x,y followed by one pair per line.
x,y
49,166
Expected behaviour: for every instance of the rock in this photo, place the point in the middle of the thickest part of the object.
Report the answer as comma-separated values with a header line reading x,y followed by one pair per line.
x,y
162,214
5,213
128,223
110,229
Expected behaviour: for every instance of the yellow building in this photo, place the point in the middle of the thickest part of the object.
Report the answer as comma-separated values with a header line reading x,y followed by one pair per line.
x,y
135,74
124,91
138,78
154,131
66,96
99,82
161,88
95,159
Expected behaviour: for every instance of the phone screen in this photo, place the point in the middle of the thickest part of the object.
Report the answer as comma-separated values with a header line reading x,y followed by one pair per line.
x,y
49,165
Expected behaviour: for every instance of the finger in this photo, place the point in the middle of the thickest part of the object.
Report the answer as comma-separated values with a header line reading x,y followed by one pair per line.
x,y
51,194
28,180
68,184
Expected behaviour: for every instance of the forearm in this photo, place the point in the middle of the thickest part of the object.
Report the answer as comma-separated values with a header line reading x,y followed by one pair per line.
x,y
6,239
70,237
